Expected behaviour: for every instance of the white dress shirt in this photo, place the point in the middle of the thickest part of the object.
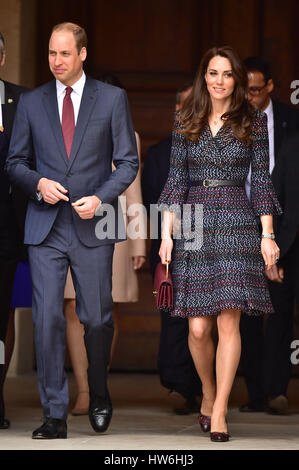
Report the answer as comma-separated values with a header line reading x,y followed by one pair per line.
x,y
270,125
76,95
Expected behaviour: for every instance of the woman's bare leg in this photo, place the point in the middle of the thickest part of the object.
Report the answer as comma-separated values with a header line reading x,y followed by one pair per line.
x,y
227,360
9,341
202,350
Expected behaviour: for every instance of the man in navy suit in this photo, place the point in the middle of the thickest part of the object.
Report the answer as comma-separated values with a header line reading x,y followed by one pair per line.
x,y
65,137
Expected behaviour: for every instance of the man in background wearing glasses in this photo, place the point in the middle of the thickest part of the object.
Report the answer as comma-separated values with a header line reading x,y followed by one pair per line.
x,y
266,378
281,118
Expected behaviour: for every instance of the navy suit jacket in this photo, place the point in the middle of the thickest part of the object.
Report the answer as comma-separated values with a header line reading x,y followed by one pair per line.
x,y
286,121
104,133
285,178
13,202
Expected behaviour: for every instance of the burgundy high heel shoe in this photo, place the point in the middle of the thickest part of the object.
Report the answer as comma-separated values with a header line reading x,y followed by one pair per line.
x,y
205,422
219,436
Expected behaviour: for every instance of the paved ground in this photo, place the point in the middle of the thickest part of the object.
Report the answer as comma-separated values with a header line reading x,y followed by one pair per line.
x,y
143,420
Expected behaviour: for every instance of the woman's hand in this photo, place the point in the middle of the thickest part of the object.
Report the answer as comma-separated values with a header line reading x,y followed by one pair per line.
x,y
166,250
270,252
138,261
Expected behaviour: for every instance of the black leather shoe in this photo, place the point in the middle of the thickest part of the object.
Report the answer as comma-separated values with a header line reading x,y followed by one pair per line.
x,y
183,405
4,423
277,405
100,414
252,408
51,429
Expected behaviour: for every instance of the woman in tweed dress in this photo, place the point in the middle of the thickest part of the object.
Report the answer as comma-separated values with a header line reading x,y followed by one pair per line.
x,y
216,137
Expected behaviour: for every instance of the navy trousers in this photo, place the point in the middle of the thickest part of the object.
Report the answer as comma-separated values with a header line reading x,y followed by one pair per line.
x,y
91,270
266,348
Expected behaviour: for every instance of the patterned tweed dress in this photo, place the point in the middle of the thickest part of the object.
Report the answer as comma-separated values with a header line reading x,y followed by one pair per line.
x,y
227,270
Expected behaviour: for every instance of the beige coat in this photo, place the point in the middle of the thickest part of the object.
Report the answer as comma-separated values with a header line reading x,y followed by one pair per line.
x,y
124,277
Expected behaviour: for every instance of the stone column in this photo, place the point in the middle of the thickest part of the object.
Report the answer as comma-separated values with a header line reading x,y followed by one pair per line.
x,y
18,26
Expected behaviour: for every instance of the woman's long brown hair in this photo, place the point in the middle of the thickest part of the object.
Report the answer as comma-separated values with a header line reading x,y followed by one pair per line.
x,y
197,107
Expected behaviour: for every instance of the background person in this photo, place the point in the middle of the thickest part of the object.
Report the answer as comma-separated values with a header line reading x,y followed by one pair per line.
x,y
281,121
175,364
128,257
12,217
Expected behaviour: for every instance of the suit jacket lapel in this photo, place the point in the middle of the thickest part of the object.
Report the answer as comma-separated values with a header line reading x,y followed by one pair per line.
x,y
88,100
51,106
280,128
9,109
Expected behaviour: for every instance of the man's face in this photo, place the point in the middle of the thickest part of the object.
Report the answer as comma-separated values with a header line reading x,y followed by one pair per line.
x,y
2,56
64,61
183,97
258,92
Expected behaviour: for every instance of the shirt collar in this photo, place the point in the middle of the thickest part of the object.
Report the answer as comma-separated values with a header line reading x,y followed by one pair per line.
x,y
269,110
2,94
77,87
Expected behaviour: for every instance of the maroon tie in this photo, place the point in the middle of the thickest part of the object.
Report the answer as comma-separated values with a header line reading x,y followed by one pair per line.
x,y
68,120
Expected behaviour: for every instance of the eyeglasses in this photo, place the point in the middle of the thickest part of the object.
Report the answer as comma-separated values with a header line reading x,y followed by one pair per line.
x,y
255,90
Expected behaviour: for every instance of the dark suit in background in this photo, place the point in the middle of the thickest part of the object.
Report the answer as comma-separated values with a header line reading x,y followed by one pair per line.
x,y
12,217
279,328
286,121
175,364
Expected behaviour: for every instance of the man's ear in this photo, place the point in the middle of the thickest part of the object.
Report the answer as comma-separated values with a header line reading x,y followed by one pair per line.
x,y
2,60
83,54
270,85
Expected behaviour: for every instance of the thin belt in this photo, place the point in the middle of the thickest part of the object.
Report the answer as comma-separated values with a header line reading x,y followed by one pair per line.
x,y
213,183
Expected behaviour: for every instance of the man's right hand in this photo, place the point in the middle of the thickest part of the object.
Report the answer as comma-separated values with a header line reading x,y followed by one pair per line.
x,y
52,191
274,273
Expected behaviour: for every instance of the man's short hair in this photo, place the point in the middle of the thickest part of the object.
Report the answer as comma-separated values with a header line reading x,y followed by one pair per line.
x,y
78,32
111,79
183,88
2,44
257,64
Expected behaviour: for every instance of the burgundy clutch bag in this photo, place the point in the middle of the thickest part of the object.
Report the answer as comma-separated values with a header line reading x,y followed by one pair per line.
x,y
163,288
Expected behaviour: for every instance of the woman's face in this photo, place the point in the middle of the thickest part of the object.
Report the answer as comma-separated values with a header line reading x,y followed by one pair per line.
x,y
219,78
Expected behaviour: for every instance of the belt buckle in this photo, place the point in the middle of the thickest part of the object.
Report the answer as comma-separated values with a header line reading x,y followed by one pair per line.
x,y
205,183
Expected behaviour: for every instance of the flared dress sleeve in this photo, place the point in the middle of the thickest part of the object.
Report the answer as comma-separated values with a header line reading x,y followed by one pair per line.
x,y
263,197
176,187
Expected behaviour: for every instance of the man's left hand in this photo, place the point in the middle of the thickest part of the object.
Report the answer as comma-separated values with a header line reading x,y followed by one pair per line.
x,y
275,274
86,206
